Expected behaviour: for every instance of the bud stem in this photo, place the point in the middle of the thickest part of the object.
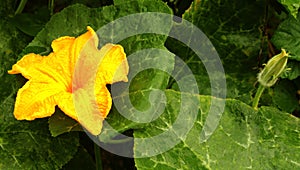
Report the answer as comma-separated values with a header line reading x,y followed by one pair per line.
x,y
258,94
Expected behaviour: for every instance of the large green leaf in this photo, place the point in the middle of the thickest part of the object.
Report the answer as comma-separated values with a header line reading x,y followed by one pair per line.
x,y
235,35
24,144
245,138
29,145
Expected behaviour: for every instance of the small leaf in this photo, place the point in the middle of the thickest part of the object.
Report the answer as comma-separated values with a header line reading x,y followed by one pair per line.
x,y
59,123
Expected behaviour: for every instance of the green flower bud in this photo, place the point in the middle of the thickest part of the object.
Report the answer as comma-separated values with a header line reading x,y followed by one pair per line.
x,y
275,66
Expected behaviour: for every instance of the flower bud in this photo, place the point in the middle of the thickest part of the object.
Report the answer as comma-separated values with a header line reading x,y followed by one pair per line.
x,y
275,66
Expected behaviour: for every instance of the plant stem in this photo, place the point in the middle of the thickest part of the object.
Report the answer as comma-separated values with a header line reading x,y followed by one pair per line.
x,y
51,6
97,152
21,7
258,94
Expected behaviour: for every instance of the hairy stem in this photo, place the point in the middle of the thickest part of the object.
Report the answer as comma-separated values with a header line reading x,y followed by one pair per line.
x,y
258,94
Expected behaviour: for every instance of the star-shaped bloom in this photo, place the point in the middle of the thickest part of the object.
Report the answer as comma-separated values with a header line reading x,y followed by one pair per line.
x,y
71,78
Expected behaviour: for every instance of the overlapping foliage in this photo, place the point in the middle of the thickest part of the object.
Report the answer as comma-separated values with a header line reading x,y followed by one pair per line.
x,y
243,36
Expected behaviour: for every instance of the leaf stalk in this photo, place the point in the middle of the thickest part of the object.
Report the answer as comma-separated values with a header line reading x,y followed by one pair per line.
x,y
21,7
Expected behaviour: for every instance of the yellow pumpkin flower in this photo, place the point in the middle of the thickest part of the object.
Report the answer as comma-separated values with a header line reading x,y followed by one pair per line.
x,y
51,80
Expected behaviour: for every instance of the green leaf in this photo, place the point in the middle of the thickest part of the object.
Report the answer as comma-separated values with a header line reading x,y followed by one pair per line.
x,y
234,33
285,96
287,36
78,17
31,24
59,123
73,20
292,5
245,138
11,43
29,145
236,37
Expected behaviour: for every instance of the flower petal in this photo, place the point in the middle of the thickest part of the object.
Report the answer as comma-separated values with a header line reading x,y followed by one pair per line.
x,y
103,100
42,69
113,66
24,65
35,100
87,40
65,103
62,43
58,66
85,109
